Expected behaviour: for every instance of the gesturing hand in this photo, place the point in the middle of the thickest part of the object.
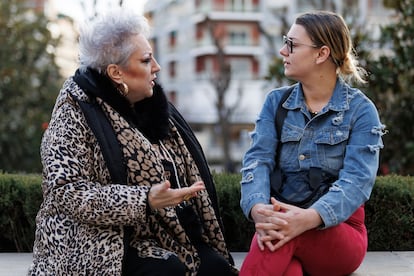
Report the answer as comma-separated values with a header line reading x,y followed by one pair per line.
x,y
161,195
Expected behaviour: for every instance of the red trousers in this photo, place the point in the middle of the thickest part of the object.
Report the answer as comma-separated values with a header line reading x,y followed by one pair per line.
x,y
334,251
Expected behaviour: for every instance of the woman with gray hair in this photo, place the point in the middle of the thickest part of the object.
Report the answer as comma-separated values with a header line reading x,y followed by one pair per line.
x,y
126,187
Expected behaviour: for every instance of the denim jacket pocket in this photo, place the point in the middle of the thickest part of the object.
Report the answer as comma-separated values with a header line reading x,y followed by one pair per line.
x,y
331,144
291,135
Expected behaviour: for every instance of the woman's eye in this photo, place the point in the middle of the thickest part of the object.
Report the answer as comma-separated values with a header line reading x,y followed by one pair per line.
x,y
147,60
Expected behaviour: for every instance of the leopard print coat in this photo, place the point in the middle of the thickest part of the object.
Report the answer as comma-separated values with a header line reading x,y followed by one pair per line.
x,y
80,224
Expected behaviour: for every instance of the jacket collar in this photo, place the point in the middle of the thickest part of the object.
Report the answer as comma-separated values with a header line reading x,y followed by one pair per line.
x,y
338,102
150,115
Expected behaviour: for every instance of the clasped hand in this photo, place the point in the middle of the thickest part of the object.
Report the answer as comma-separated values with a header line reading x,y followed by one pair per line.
x,y
162,195
278,223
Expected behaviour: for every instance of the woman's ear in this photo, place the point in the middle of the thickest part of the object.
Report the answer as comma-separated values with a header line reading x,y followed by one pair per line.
x,y
323,54
113,72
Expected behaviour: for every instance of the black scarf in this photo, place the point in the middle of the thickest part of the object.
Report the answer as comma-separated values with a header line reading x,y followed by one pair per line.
x,y
150,115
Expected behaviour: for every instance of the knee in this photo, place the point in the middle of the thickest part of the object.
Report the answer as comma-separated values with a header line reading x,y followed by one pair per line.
x,y
294,268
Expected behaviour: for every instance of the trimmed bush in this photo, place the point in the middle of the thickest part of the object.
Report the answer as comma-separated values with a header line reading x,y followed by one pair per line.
x,y
237,229
389,212
20,199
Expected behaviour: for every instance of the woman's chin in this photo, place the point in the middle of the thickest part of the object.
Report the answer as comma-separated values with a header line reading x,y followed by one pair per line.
x,y
150,93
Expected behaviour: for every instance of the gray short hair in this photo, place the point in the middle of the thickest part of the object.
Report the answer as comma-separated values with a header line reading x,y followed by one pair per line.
x,y
107,39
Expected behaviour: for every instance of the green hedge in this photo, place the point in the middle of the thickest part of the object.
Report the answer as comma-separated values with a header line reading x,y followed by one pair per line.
x,y
389,212
20,198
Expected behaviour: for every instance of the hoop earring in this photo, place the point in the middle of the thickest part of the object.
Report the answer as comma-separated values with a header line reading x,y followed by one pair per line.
x,y
123,89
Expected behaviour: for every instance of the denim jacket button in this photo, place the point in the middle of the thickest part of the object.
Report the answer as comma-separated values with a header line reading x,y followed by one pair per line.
x,y
302,157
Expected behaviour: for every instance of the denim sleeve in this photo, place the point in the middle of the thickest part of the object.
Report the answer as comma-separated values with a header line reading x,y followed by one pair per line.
x,y
259,159
357,176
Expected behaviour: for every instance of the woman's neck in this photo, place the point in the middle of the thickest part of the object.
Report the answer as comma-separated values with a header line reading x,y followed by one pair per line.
x,y
318,93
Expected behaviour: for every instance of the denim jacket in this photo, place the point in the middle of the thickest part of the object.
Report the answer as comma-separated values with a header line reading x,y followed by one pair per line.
x,y
344,140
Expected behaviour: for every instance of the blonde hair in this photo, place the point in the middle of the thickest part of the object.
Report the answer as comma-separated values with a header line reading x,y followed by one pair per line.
x,y
329,28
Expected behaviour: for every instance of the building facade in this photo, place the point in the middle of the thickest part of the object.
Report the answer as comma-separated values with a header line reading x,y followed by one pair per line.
x,y
188,35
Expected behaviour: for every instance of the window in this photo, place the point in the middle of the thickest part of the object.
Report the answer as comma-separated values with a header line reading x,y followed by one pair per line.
x,y
173,37
238,38
171,69
238,5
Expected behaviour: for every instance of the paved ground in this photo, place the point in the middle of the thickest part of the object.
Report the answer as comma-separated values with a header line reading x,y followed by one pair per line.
x,y
375,263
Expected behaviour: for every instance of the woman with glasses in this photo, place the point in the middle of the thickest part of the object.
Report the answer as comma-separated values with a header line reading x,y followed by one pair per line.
x,y
313,159
126,187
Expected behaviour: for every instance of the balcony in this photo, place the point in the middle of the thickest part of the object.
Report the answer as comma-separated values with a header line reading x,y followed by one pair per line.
x,y
210,6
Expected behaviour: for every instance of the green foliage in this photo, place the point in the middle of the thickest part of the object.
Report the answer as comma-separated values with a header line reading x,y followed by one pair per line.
x,y
29,81
20,198
391,87
389,212
238,230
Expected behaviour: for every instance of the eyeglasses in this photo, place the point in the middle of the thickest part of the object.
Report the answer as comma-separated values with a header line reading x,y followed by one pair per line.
x,y
290,44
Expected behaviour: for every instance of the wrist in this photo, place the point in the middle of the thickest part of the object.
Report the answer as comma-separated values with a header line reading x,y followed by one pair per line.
x,y
253,212
314,219
150,200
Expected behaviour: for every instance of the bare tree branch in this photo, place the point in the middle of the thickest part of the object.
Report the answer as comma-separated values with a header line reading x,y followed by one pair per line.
x,y
220,80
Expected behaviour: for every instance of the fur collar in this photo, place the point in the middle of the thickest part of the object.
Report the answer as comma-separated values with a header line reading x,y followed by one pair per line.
x,y
150,115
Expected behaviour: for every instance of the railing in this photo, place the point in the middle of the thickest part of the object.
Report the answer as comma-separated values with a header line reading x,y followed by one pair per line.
x,y
209,7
